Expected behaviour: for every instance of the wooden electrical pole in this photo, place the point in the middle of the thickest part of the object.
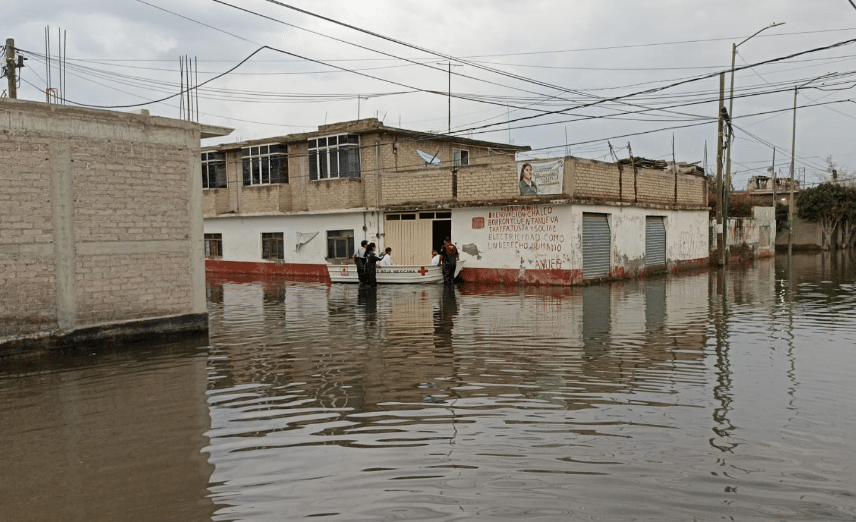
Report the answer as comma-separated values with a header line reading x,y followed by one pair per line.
x,y
10,68
719,199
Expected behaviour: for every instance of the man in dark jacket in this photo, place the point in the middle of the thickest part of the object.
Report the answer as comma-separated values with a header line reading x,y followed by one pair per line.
x,y
448,261
360,260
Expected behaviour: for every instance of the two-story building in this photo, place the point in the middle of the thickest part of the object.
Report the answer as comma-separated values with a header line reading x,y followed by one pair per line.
x,y
293,204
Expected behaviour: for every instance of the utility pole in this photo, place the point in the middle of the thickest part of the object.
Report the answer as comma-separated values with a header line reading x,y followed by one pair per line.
x,y
793,152
791,188
719,203
773,171
450,92
10,68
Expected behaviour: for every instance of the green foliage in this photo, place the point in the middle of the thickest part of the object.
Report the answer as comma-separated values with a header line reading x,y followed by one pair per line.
x,y
827,201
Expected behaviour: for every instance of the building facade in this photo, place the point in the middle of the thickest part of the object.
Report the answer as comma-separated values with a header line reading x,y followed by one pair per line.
x,y
101,226
295,204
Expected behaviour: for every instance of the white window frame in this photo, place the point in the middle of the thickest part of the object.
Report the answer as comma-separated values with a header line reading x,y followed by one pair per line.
x,y
210,172
327,162
460,157
258,164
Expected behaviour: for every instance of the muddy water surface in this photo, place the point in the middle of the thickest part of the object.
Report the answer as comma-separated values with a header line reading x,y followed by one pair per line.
x,y
709,396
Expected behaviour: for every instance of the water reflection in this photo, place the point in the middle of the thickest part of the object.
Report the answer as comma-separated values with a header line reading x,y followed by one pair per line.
x,y
113,434
699,396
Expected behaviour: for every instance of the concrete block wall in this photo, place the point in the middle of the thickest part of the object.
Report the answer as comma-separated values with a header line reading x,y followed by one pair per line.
x,y
404,187
589,179
480,182
101,219
592,180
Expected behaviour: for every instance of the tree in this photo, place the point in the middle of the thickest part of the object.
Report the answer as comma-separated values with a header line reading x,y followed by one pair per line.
x,y
830,204
849,220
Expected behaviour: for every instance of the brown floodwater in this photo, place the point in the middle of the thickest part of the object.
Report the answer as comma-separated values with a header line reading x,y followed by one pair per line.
x,y
721,395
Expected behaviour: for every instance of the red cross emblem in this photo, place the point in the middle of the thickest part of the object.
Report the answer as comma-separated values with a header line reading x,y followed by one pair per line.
x,y
422,271
344,271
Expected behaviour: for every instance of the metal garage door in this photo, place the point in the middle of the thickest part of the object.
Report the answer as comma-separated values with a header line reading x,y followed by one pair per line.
x,y
597,245
655,241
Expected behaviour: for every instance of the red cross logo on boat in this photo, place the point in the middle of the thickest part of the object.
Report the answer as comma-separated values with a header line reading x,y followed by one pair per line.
x,y
344,271
422,271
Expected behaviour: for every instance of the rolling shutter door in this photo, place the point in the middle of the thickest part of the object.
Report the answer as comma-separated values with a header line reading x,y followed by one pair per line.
x,y
655,241
597,245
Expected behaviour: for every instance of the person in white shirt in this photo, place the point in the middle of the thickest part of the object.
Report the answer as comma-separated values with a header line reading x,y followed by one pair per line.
x,y
386,260
435,258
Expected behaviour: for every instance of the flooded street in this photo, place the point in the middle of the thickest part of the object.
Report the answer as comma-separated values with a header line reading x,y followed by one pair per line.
x,y
705,396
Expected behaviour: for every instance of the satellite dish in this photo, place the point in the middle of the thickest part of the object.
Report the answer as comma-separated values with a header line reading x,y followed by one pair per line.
x,y
429,159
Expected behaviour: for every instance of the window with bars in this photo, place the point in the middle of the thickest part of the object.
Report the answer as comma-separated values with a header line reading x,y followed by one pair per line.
x,y
214,246
264,164
340,244
334,157
272,245
213,170
460,157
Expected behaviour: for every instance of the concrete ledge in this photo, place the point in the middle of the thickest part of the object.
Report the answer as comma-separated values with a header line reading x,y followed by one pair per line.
x,y
156,329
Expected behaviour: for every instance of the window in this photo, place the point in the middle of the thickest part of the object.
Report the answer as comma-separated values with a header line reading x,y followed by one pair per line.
x,y
272,245
334,157
265,164
460,157
401,217
340,244
213,170
213,245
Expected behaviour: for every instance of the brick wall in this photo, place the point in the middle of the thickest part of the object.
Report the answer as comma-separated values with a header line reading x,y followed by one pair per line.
x,y
99,218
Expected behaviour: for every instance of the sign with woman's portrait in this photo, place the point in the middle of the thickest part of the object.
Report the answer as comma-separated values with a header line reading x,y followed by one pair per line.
x,y
540,177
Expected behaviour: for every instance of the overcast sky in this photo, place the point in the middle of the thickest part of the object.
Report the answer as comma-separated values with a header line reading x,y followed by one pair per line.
x,y
512,62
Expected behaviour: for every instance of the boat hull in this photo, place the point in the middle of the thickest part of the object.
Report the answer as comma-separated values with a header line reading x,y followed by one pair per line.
x,y
398,274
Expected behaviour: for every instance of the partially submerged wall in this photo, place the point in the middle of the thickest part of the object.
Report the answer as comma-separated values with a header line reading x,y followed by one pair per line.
x,y
101,226
750,237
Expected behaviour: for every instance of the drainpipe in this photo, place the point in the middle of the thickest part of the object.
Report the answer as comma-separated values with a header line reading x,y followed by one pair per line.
x,y
377,192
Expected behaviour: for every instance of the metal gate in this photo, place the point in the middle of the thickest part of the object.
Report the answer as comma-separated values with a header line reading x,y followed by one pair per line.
x,y
409,237
597,245
655,241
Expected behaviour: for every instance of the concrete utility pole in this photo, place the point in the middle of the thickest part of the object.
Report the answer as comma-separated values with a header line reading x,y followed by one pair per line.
x,y
719,238
10,68
791,188
731,100
725,195
793,152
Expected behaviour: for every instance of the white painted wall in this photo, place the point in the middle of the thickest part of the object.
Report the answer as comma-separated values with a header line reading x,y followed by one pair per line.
x,y
242,236
550,236
529,237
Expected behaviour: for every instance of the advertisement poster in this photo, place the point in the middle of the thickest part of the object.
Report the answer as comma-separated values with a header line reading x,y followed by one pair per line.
x,y
539,177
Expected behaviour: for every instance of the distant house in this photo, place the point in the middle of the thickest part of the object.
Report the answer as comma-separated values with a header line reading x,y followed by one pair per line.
x,y
295,204
767,187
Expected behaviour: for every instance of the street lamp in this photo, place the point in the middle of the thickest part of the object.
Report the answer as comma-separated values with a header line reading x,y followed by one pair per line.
x,y
727,191
793,149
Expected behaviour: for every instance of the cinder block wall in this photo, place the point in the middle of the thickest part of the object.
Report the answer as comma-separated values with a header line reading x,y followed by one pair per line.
x,y
101,219
589,179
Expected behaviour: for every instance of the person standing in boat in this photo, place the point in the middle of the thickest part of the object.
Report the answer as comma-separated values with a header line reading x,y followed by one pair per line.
x,y
435,258
371,265
386,259
360,260
448,261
